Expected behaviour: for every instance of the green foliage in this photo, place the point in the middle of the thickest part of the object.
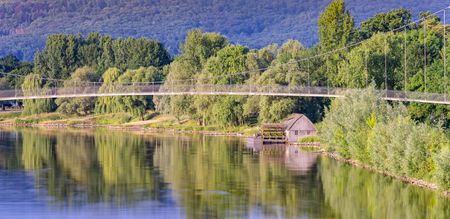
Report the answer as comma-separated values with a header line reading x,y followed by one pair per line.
x,y
309,139
335,26
443,173
135,105
384,22
362,127
229,60
108,104
228,112
79,106
24,25
13,66
275,109
65,53
335,30
32,85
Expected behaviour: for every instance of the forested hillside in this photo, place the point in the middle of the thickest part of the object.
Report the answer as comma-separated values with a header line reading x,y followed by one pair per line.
x,y
25,25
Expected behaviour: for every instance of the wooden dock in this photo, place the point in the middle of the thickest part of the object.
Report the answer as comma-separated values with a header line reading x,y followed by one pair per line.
x,y
273,134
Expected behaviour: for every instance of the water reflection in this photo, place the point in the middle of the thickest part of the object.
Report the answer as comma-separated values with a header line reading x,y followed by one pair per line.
x,y
203,176
295,160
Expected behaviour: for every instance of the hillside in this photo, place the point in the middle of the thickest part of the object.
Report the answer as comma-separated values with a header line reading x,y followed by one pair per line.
x,y
25,24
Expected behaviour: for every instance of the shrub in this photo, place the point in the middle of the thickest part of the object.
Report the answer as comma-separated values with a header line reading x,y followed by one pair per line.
x,y
360,126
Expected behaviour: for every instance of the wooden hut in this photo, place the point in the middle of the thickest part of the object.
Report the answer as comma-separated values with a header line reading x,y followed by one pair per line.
x,y
298,126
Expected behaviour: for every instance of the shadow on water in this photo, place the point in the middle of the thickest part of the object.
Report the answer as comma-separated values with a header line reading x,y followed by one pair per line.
x,y
213,177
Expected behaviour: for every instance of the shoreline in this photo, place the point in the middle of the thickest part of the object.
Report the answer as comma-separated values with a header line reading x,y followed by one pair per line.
x,y
137,128
128,128
407,180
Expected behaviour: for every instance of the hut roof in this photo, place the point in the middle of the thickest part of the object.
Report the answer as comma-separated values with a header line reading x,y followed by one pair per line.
x,y
291,120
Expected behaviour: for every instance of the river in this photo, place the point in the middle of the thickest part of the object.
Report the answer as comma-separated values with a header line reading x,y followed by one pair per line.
x,y
54,173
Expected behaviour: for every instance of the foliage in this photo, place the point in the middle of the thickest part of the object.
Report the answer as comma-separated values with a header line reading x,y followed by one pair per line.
x,y
309,139
346,188
32,85
11,65
136,105
64,53
362,127
79,106
335,26
385,22
209,58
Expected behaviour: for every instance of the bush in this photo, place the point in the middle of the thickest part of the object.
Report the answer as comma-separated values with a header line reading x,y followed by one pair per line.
x,y
309,139
360,126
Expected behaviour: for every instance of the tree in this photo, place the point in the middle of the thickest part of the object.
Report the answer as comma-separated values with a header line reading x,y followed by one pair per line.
x,y
137,105
335,26
13,66
79,106
274,109
59,57
197,48
33,85
385,22
223,67
108,104
335,29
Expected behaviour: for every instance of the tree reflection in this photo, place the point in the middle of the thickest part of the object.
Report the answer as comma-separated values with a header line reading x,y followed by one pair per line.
x,y
213,177
83,167
217,177
356,193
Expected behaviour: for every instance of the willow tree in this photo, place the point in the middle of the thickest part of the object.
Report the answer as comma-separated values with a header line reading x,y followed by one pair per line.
x,y
83,105
108,104
226,67
32,86
137,105
286,70
197,48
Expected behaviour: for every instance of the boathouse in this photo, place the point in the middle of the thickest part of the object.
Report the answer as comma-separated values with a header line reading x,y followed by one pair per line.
x,y
294,127
298,126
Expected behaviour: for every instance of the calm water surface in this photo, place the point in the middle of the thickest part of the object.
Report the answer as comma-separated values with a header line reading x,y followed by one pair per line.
x,y
105,174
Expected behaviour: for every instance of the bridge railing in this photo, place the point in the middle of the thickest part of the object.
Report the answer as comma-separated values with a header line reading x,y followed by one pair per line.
x,y
206,89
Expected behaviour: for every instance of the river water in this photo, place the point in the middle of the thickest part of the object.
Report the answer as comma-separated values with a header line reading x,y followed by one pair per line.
x,y
50,173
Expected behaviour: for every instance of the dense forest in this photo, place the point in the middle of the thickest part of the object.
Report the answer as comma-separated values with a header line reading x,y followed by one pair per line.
x,y
25,25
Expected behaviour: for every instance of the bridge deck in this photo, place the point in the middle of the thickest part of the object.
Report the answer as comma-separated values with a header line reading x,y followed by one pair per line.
x,y
240,90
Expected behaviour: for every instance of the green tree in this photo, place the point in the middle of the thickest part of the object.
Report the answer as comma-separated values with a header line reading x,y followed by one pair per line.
x,y
79,106
221,69
197,48
137,105
108,104
33,85
59,57
335,30
385,22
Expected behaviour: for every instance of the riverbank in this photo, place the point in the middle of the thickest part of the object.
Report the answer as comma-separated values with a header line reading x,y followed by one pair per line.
x,y
409,180
122,121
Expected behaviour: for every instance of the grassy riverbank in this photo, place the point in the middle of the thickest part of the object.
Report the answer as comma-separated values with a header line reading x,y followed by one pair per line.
x,y
120,120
